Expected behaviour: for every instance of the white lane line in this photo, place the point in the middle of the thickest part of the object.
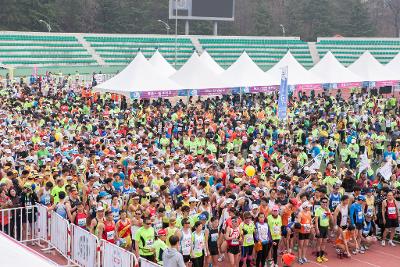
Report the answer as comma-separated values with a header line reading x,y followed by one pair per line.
x,y
384,253
366,262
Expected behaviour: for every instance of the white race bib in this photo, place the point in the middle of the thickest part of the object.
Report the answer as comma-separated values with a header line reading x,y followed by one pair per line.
x,y
82,222
249,239
307,227
110,235
391,210
276,229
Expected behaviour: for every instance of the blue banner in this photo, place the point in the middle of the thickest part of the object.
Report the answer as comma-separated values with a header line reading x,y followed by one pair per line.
x,y
283,95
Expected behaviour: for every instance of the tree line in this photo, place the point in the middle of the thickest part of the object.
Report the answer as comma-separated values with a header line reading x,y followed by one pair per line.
x,y
305,18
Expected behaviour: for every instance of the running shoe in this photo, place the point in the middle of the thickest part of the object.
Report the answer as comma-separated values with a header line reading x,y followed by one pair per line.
x,y
221,258
325,259
391,243
305,260
300,261
320,260
361,251
383,243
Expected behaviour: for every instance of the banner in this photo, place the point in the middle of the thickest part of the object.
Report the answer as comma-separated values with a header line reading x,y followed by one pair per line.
x,y
317,162
84,246
114,256
386,170
364,163
283,95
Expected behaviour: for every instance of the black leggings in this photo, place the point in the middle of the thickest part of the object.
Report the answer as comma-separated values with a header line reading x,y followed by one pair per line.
x,y
263,254
198,262
275,251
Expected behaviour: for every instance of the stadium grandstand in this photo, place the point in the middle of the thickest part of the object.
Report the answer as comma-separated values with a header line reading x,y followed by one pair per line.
x,y
109,53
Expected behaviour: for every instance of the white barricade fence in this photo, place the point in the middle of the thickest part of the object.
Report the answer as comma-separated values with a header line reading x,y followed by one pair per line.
x,y
147,263
114,256
42,222
84,247
20,223
59,233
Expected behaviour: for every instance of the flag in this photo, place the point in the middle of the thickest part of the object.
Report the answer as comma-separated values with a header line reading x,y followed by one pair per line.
x,y
283,95
386,170
317,162
364,163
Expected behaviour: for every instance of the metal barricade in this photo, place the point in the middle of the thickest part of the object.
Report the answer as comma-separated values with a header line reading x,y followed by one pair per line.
x,y
20,223
113,255
84,247
147,263
59,234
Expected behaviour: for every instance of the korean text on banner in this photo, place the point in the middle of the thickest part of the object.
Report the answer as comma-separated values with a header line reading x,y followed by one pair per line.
x,y
114,256
283,95
84,247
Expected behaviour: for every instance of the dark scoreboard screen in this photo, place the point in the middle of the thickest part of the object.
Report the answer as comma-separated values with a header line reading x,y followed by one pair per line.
x,y
202,9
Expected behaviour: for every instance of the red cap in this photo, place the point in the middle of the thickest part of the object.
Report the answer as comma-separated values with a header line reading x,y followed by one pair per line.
x,y
162,232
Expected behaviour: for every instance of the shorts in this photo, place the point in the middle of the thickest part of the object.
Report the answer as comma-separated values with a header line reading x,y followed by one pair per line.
x,y
233,250
213,251
323,232
247,251
391,223
284,230
304,236
186,258
359,226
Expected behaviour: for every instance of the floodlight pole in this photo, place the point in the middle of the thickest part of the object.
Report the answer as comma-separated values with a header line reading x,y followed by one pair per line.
x,y
47,24
176,33
167,27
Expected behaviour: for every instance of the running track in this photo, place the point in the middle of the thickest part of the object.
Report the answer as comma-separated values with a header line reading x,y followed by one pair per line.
x,y
376,256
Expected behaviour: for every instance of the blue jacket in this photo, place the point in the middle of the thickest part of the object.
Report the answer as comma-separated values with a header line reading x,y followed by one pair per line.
x,y
356,213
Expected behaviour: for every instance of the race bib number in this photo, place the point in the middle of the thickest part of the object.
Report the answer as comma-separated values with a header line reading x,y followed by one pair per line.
x,y
360,215
391,210
307,227
82,222
110,235
235,242
149,242
249,239
214,237
276,229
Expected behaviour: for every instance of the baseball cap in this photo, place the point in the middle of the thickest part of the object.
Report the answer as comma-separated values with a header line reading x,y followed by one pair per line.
x,y
162,232
361,197
100,208
202,217
254,206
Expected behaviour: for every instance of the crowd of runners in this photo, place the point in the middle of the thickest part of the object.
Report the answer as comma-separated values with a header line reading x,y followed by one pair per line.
x,y
200,182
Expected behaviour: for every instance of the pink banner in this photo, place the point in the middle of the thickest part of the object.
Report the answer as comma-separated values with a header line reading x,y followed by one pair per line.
x,y
385,83
157,94
308,87
348,85
264,89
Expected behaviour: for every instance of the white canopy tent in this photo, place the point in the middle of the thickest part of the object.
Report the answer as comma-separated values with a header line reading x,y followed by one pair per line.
x,y
210,62
242,73
297,74
330,70
369,69
138,76
161,64
16,254
394,66
195,74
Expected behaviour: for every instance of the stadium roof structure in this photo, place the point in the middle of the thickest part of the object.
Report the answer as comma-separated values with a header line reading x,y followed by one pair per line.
x,y
195,74
394,66
161,64
138,76
211,63
370,70
297,74
243,73
330,70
